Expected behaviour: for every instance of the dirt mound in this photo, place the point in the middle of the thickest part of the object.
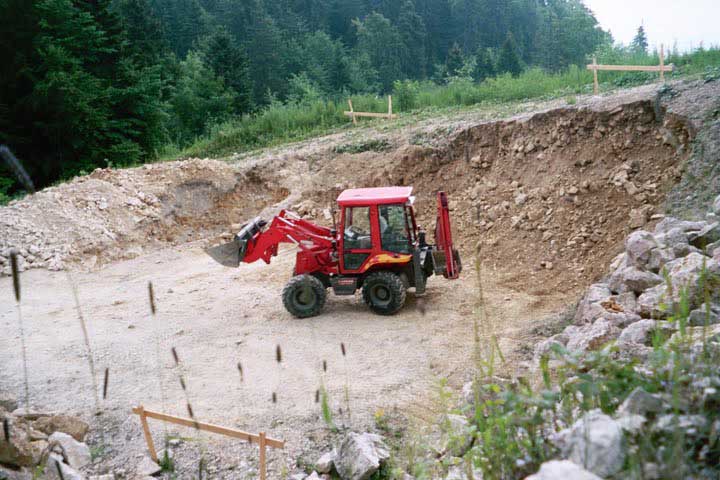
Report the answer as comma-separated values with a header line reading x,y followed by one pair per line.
x,y
114,214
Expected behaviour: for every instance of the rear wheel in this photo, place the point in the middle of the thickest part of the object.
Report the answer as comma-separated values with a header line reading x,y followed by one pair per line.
x,y
304,296
384,292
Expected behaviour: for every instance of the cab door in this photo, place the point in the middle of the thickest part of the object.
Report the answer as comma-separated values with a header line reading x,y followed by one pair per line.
x,y
356,242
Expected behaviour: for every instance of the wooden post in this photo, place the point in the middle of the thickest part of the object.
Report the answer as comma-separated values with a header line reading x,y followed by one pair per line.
x,y
263,471
595,76
352,112
662,63
146,432
389,106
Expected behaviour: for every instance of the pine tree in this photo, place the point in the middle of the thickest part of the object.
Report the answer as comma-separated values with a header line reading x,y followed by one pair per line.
x,y
640,42
455,60
509,59
381,42
230,63
199,100
143,31
484,64
414,38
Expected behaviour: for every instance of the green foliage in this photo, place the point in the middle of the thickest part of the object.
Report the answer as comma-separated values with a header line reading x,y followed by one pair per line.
x,y
198,99
381,42
5,184
484,65
405,94
166,462
509,58
325,409
455,61
229,63
640,42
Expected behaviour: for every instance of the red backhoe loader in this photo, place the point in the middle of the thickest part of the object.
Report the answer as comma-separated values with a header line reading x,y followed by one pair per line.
x,y
379,248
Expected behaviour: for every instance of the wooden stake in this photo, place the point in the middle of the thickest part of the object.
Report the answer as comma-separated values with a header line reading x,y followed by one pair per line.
x,y
595,76
208,427
390,106
662,63
263,471
148,435
352,112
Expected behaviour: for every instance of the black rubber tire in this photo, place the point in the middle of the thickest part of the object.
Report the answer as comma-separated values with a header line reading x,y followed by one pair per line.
x,y
304,296
384,292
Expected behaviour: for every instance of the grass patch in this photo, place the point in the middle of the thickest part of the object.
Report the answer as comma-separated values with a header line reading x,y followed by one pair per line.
x,y
281,123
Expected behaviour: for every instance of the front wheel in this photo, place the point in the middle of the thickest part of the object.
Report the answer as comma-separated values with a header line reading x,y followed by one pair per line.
x,y
384,292
304,296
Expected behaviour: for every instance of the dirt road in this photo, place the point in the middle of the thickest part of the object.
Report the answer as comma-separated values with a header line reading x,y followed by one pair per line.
x,y
216,317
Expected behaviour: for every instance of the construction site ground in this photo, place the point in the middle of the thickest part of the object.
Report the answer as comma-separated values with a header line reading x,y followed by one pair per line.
x,y
540,203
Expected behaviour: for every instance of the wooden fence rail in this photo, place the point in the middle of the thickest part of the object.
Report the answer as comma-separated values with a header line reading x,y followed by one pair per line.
x,y
662,68
353,114
262,440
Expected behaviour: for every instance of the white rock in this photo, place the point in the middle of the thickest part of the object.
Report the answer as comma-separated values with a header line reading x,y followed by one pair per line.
x,y
76,453
460,473
595,442
325,462
147,467
632,279
640,402
562,470
638,246
684,274
360,456
55,463
642,332
591,337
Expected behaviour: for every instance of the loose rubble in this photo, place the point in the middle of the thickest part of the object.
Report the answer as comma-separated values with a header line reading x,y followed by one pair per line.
x,y
634,302
30,445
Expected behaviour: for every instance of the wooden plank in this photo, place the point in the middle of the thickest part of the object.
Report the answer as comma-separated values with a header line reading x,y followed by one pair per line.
x,y
208,427
146,431
370,114
662,63
632,68
352,113
596,84
263,467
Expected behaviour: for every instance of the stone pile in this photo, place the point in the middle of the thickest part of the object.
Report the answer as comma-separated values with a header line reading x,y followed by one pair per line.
x,y
658,271
53,442
358,457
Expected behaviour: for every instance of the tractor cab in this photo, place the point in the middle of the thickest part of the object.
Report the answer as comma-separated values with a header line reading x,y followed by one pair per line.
x,y
377,226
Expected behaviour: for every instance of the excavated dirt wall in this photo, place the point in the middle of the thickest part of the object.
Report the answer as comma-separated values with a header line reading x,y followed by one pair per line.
x,y
549,198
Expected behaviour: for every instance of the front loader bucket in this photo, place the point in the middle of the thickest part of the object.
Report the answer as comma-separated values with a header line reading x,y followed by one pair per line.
x,y
232,253
226,254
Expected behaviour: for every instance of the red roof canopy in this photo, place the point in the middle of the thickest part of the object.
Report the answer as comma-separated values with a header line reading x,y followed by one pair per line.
x,y
374,196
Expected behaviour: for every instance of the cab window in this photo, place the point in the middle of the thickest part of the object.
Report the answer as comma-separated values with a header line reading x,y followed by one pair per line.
x,y
394,234
357,228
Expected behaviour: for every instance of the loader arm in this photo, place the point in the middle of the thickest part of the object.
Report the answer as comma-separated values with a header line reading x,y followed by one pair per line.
x,y
257,243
